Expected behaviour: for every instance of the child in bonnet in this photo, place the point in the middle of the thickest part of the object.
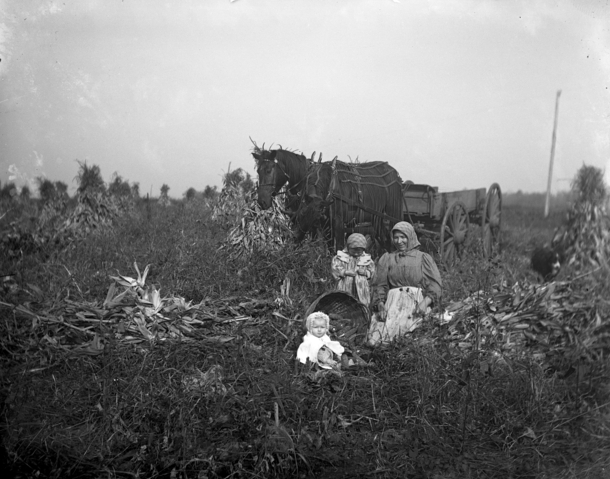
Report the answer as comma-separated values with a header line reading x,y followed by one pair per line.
x,y
353,269
317,347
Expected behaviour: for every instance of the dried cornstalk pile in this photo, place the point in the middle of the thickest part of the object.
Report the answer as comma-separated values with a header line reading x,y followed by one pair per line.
x,y
258,230
164,200
229,204
59,224
547,318
586,237
132,313
93,210
53,210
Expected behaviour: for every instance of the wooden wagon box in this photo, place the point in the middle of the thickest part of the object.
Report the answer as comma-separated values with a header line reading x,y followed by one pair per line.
x,y
427,209
425,200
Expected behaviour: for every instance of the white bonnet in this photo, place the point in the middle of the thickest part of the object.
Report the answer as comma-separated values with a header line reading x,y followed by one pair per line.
x,y
316,316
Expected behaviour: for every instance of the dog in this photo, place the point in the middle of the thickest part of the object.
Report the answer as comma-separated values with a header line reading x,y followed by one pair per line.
x,y
546,261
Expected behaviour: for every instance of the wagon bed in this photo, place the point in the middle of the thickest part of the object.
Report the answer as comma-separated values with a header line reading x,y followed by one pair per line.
x,y
448,215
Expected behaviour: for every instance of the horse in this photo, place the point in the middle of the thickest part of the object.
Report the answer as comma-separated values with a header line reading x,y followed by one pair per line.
x,y
342,198
275,168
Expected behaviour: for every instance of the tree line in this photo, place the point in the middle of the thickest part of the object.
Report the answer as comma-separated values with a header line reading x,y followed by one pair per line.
x,y
89,179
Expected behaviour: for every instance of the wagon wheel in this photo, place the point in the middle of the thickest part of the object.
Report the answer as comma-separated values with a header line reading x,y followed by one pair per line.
x,y
453,232
491,221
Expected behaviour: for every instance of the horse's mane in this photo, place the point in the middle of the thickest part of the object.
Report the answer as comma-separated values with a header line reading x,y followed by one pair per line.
x,y
288,155
278,154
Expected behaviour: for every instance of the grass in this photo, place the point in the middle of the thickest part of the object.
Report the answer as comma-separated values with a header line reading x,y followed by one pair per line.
x,y
234,403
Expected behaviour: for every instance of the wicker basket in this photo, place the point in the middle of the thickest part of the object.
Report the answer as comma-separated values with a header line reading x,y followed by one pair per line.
x,y
354,315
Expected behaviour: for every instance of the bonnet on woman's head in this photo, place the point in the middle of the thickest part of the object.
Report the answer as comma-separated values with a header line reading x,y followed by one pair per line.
x,y
356,240
407,229
318,315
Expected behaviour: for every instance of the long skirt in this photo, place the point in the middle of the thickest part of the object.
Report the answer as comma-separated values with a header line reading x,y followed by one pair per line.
x,y
400,305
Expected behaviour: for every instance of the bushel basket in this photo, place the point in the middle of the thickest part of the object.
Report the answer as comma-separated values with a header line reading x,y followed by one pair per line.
x,y
349,318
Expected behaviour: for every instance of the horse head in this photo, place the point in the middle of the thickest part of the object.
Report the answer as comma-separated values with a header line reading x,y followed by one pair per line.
x,y
271,176
275,168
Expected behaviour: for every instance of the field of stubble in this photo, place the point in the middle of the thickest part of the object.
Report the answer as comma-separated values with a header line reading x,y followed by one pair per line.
x,y
188,371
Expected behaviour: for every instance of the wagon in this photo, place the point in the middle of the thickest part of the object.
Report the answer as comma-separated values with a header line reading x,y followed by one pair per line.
x,y
447,216
341,198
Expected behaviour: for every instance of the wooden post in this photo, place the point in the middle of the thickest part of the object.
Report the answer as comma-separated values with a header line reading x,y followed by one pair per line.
x,y
550,180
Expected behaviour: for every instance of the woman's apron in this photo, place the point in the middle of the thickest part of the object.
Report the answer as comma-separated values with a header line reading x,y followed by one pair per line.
x,y
400,318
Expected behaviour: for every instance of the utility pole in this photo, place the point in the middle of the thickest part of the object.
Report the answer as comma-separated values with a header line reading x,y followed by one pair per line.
x,y
548,186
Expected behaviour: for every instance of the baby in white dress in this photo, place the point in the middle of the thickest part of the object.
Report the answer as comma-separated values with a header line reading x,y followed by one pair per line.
x,y
317,347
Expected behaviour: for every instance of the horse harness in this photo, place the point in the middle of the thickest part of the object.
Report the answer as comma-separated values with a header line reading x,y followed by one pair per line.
x,y
333,193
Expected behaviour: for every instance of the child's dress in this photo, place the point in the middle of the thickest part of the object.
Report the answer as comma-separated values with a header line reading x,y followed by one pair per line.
x,y
356,285
311,345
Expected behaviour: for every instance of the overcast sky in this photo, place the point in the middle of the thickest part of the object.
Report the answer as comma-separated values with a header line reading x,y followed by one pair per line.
x,y
456,94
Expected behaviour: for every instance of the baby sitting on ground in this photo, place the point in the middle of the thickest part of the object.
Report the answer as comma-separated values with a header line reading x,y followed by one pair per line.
x,y
317,346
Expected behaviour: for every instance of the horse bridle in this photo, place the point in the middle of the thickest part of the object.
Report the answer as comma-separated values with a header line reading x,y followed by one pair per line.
x,y
273,176
281,168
